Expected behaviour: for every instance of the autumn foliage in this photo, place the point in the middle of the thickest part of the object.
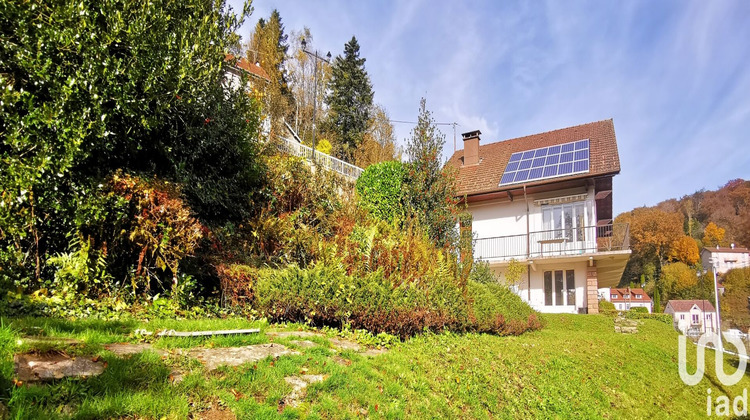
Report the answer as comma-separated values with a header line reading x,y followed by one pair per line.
x,y
713,236
685,250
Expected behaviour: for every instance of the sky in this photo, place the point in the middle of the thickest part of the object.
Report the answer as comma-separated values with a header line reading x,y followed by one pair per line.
x,y
673,75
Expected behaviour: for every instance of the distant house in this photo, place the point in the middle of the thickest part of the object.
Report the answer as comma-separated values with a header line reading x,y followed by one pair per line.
x,y
257,78
545,200
725,258
235,69
626,298
692,315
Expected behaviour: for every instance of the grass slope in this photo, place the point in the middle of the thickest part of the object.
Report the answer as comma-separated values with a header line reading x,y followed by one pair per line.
x,y
576,367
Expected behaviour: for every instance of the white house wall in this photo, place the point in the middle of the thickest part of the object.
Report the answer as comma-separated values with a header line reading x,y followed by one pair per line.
x,y
536,297
506,218
726,260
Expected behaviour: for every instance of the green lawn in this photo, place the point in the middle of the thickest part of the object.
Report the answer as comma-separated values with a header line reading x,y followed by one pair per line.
x,y
576,367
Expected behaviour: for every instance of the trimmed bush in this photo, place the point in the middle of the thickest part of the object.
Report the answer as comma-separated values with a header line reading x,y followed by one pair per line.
x,y
639,309
605,305
325,295
496,309
665,318
380,189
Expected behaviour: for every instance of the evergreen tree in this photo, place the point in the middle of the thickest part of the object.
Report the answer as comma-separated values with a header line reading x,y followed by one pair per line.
x,y
349,100
268,47
430,187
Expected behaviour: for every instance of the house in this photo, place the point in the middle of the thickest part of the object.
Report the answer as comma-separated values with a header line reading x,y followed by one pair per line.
x,y
236,67
626,298
692,315
545,200
725,258
256,79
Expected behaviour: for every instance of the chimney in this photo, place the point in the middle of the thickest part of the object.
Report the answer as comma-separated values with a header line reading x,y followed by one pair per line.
x,y
471,147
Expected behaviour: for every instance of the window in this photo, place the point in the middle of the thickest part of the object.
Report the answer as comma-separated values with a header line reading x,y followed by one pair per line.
x,y
626,296
559,288
566,221
614,296
682,317
638,296
696,319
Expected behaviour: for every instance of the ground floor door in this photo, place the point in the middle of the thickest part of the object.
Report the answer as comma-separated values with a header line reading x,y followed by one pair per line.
x,y
560,288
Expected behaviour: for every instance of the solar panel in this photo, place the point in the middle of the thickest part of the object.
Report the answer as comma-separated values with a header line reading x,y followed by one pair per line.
x,y
547,162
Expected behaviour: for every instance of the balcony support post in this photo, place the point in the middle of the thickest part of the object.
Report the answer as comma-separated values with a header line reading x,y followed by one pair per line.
x,y
592,289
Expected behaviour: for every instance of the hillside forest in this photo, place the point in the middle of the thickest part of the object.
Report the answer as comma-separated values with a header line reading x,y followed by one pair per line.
x,y
666,240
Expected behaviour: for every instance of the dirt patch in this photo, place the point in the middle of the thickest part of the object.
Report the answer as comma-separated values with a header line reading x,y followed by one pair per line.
x,y
128,349
299,389
235,356
51,366
216,414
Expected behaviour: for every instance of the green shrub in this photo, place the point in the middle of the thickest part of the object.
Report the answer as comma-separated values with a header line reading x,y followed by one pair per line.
x,y
639,309
482,273
665,318
326,296
380,189
605,305
496,309
8,339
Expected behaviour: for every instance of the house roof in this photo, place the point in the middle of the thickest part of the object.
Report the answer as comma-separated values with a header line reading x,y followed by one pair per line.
x,y
618,295
247,66
686,305
728,250
484,177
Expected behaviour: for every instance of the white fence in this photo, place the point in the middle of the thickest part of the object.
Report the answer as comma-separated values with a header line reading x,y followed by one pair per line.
x,y
325,161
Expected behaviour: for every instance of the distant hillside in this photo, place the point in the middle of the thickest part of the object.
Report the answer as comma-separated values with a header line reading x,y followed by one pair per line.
x,y
666,239
728,207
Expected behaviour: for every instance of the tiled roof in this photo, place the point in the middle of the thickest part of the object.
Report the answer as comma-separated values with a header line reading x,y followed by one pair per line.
x,y
485,176
686,305
735,250
618,295
249,67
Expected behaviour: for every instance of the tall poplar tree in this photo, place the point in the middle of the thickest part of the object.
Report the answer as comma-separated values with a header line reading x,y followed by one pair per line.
x,y
349,100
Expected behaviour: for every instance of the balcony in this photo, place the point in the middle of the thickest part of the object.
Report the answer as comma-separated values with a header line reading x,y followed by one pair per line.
x,y
572,241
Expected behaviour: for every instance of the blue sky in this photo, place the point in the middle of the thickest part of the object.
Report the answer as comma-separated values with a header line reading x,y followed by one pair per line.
x,y
674,76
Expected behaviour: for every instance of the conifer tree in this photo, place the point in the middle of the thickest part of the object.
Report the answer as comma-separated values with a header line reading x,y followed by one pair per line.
x,y
430,187
349,99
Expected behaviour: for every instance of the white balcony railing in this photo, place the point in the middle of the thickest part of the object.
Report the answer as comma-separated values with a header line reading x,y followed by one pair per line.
x,y
558,242
323,160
